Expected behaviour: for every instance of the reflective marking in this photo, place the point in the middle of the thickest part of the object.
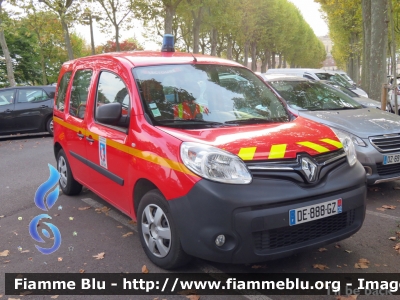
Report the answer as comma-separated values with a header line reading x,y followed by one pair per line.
x,y
247,153
277,151
314,146
337,144
145,155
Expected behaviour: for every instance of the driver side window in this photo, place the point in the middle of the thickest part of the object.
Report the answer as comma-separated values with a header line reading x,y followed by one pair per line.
x,y
112,89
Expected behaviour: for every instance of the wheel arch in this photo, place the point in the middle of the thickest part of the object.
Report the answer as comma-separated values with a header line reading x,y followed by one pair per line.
x,y
57,147
141,187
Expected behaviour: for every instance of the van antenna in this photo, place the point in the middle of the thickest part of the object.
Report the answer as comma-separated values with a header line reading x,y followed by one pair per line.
x,y
194,58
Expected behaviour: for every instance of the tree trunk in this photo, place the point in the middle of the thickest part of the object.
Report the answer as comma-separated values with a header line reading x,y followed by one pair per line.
x,y
229,48
268,58
117,46
196,29
6,52
284,62
273,60
263,64
246,55
214,41
393,56
91,34
366,11
254,56
280,61
379,34
66,38
169,16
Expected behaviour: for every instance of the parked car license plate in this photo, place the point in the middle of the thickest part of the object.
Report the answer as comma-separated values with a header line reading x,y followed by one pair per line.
x,y
391,159
315,212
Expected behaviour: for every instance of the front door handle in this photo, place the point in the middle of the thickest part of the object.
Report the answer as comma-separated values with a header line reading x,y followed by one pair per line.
x,y
43,106
90,139
80,135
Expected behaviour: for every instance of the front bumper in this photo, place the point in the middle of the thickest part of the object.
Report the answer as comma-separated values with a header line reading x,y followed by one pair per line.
x,y
372,160
255,218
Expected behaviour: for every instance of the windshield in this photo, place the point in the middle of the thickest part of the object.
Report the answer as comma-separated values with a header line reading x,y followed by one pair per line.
x,y
311,95
199,95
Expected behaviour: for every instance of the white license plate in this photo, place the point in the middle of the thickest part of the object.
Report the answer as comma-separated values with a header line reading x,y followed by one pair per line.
x,y
315,212
391,159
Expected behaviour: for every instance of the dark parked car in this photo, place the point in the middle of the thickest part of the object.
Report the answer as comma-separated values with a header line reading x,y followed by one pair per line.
x,y
26,109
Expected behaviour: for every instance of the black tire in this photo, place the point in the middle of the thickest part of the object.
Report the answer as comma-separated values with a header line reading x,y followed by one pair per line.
x,y
49,126
68,184
166,253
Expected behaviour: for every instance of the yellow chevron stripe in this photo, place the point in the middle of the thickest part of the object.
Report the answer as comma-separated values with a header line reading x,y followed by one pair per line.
x,y
314,146
333,143
145,155
247,153
277,151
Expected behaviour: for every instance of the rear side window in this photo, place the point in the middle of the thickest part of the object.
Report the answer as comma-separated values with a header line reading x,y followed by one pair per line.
x,y
62,91
79,93
112,89
31,95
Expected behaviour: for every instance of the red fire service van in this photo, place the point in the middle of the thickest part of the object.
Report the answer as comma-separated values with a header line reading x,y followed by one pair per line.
x,y
205,156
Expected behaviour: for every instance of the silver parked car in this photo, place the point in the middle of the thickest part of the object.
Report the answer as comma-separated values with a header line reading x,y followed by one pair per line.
x,y
375,133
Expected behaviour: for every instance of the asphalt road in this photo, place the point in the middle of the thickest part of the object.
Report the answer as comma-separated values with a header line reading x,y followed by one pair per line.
x,y
87,229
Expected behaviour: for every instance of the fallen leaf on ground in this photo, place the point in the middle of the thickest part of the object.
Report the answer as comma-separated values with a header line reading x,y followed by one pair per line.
x,y
84,208
380,209
60,259
144,269
375,189
193,297
119,226
99,256
25,293
362,264
338,266
14,299
2,216
187,292
322,249
30,258
350,297
4,253
389,206
377,265
6,261
397,247
319,266
25,251
392,238
56,215
345,265
396,188
348,251
132,222
104,209
81,271
54,297
258,266
337,246
127,234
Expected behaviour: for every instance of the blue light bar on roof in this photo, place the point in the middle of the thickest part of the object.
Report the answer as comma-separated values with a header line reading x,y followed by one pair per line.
x,y
168,43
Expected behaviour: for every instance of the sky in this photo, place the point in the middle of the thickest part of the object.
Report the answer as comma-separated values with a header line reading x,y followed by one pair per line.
x,y
308,8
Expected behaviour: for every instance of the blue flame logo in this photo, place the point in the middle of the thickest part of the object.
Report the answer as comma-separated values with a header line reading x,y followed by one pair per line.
x,y
46,203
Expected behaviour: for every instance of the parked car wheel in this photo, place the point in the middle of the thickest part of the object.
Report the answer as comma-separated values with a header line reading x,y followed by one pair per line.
x,y
68,184
49,126
158,233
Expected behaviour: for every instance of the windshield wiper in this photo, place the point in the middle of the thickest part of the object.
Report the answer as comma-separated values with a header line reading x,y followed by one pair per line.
x,y
250,121
190,121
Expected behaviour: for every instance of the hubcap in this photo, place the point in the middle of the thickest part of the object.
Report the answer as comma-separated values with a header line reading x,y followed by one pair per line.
x,y
156,230
62,169
51,126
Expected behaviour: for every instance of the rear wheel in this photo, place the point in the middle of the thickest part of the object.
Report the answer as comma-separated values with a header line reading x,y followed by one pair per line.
x,y
68,184
49,126
158,233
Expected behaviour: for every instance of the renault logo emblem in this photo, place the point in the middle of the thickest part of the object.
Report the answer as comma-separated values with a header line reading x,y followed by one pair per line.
x,y
309,169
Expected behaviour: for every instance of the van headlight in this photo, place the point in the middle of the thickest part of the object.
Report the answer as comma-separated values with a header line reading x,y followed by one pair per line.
x,y
214,164
348,145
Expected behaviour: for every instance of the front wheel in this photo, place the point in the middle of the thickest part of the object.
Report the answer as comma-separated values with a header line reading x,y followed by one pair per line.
x,y
68,184
158,233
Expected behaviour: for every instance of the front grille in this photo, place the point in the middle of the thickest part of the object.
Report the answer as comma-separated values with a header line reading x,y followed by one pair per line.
x,y
386,143
291,235
388,169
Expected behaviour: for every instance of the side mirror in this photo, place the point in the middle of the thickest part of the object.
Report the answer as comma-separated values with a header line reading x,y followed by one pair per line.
x,y
109,113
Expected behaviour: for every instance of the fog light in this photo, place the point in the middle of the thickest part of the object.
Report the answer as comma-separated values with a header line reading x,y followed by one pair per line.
x,y
220,240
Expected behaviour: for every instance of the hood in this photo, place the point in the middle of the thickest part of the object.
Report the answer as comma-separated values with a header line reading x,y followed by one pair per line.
x,y
359,92
363,122
370,103
265,141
